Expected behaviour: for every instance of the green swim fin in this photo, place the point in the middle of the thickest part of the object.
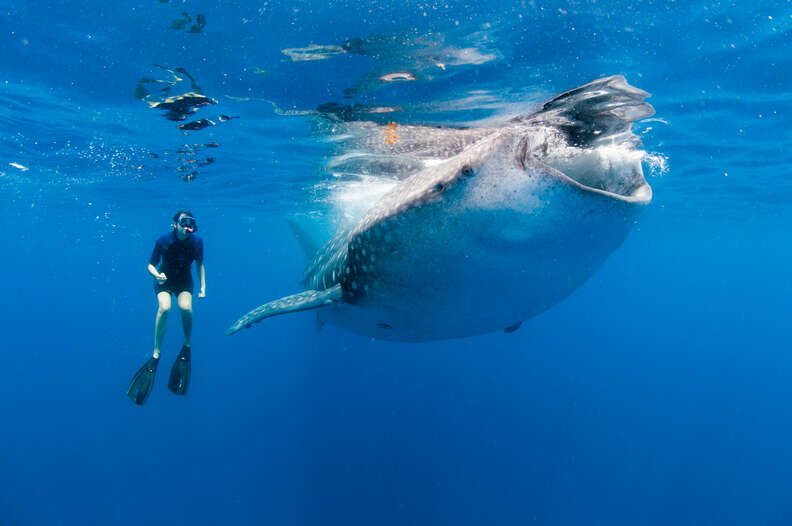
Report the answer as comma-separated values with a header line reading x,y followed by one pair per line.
x,y
143,381
180,372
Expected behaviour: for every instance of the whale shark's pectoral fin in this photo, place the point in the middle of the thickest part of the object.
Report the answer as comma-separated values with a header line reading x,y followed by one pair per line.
x,y
307,243
310,299
512,328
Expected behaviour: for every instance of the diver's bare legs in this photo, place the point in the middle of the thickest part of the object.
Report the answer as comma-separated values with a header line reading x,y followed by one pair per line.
x,y
185,306
161,321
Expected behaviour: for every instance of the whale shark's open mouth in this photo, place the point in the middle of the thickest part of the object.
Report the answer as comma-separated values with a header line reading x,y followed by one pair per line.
x,y
612,170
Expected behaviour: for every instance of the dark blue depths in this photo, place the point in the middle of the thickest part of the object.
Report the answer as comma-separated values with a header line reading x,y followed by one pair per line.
x,y
658,393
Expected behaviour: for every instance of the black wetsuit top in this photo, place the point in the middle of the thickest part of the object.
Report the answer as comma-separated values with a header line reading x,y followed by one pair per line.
x,y
176,256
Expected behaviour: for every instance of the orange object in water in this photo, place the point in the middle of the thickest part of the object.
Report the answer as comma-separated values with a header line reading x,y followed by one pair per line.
x,y
390,133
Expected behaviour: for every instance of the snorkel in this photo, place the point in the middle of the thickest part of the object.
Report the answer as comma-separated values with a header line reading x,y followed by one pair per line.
x,y
183,220
188,223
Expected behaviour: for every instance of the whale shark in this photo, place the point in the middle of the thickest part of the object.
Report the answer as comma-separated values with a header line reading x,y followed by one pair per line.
x,y
485,226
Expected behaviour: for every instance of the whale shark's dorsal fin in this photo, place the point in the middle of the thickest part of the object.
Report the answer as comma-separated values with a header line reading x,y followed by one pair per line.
x,y
310,299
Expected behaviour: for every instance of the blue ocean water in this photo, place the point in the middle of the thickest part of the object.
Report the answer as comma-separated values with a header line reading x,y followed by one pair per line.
x,y
658,393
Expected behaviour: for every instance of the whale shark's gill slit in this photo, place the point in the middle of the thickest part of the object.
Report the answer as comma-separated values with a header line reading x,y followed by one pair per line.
x,y
522,153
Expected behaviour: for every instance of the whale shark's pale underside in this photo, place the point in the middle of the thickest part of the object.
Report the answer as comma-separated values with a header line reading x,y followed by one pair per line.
x,y
486,226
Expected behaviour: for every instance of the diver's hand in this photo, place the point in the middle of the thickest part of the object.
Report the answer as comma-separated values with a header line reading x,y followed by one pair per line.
x,y
202,293
161,278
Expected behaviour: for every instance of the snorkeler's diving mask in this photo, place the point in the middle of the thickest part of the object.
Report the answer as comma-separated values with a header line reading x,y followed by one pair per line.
x,y
188,223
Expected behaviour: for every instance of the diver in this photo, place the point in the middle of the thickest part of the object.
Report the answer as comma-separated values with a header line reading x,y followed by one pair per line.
x,y
176,251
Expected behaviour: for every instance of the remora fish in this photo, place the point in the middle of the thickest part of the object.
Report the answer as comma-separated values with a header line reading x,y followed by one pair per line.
x,y
510,221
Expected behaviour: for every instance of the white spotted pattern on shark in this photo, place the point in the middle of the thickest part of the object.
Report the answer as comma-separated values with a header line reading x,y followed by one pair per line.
x,y
504,222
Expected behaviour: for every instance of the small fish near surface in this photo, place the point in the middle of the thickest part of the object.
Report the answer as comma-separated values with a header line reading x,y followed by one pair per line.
x,y
486,227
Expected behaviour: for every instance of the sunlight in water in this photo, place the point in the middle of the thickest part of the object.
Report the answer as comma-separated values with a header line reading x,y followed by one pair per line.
x,y
351,199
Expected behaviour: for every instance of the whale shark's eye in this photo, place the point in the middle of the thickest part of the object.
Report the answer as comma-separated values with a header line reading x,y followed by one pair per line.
x,y
467,171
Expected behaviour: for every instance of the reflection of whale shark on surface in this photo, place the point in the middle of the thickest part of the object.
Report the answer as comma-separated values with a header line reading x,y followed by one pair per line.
x,y
486,226
402,57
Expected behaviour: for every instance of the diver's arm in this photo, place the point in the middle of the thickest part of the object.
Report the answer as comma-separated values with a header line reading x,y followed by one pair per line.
x,y
201,278
159,276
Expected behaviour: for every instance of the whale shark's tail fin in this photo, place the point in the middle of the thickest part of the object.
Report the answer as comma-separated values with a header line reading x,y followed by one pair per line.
x,y
310,299
595,113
